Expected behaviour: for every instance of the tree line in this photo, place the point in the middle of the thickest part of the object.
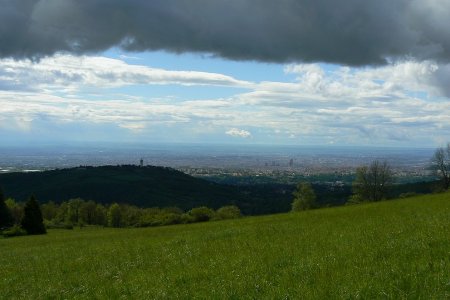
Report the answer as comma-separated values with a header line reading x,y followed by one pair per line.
x,y
78,212
29,221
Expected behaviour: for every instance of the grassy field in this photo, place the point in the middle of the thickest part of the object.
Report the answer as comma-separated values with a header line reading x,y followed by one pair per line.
x,y
395,249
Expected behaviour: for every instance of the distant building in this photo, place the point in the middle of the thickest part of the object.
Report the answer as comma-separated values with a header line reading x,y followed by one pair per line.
x,y
141,162
291,162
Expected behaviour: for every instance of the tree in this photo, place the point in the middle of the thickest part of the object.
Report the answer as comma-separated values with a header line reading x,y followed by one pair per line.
x,y
130,215
372,182
114,215
304,197
15,209
32,220
88,211
100,215
74,211
441,165
62,213
6,219
49,211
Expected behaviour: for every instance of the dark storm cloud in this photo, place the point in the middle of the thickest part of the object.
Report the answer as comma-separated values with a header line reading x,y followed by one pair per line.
x,y
350,32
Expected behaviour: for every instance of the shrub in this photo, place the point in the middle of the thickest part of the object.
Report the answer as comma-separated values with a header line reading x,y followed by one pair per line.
x,y
228,212
201,214
170,218
6,218
149,221
408,194
186,219
16,230
354,199
51,225
16,210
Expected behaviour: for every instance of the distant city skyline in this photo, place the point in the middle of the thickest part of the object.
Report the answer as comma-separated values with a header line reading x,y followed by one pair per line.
x,y
225,73
303,159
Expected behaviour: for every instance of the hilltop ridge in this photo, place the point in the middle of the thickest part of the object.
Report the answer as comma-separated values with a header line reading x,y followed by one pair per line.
x,y
145,186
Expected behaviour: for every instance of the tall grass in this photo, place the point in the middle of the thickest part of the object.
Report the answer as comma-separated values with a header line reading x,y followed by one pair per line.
x,y
395,249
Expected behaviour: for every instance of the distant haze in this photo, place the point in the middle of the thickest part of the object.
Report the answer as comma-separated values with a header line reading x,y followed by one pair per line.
x,y
251,157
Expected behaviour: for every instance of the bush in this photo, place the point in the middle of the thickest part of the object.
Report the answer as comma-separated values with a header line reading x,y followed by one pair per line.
x,y
408,194
437,188
354,199
6,218
149,221
170,218
201,214
186,219
16,230
51,225
228,212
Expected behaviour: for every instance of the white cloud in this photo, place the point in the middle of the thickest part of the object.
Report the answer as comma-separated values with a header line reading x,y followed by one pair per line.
x,y
124,57
407,76
238,133
72,73
399,103
137,127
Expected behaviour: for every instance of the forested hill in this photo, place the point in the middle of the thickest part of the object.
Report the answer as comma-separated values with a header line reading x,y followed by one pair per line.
x,y
143,186
163,187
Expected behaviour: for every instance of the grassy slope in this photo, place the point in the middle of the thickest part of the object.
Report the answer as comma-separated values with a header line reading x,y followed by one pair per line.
x,y
394,249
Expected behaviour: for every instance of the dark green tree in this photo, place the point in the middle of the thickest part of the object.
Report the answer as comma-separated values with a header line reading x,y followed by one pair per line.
x,y
372,182
74,211
49,211
87,212
114,215
100,215
304,197
32,220
6,219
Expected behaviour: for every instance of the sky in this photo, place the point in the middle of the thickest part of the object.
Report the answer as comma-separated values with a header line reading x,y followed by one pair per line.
x,y
297,72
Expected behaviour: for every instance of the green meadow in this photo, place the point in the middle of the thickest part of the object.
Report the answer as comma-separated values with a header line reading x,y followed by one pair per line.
x,y
398,249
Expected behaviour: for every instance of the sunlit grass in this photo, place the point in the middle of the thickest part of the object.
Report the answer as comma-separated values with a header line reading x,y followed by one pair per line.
x,y
395,249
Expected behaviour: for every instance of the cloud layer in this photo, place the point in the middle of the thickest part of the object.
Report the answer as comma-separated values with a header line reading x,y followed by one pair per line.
x,y
398,104
351,32
69,72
